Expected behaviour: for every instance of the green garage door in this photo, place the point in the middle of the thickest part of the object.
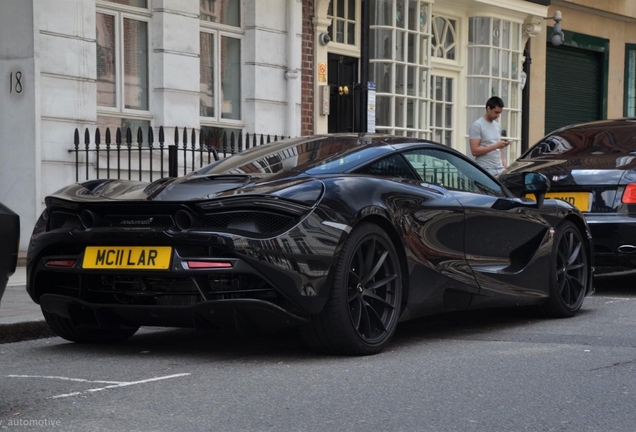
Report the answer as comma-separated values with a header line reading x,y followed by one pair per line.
x,y
574,87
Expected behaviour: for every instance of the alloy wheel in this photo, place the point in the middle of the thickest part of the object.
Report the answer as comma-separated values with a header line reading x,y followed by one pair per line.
x,y
571,268
372,286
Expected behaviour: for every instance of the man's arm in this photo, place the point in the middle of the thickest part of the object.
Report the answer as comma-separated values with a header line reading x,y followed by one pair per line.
x,y
503,160
476,150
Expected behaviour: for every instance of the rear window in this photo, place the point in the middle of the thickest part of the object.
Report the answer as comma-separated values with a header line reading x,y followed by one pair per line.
x,y
322,155
597,140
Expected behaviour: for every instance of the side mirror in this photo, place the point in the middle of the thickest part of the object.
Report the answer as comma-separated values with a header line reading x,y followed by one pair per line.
x,y
538,184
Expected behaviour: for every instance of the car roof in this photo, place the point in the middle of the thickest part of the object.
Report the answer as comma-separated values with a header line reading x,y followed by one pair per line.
x,y
333,153
591,139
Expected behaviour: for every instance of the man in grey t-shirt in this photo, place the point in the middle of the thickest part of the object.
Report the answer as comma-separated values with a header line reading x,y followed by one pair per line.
x,y
485,138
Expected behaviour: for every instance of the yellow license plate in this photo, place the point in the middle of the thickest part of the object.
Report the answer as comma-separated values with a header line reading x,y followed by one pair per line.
x,y
127,257
580,200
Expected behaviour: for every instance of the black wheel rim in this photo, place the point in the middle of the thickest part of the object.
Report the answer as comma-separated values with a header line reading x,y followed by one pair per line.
x,y
571,268
372,290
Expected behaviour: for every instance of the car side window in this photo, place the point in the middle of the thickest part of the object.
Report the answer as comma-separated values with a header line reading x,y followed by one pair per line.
x,y
451,172
392,166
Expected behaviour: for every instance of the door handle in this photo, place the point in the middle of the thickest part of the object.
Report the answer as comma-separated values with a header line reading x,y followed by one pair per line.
x,y
343,90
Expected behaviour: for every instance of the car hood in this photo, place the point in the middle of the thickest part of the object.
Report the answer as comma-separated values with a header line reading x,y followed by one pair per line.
x,y
188,188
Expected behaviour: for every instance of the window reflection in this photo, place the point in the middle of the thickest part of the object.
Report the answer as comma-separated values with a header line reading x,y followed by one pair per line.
x,y
587,141
134,3
106,72
221,11
451,172
207,75
136,64
231,77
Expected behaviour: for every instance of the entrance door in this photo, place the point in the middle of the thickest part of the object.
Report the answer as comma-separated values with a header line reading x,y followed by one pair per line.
x,y
343,94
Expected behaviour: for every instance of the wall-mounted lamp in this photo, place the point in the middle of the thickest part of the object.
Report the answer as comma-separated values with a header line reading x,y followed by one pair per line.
x,y
324,39
557,37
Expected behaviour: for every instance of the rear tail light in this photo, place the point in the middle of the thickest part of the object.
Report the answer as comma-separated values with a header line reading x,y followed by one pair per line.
x,y
208,264
61,263
629,195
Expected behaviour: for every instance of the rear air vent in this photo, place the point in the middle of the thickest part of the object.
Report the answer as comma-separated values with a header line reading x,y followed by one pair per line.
x,y
63,220
249,222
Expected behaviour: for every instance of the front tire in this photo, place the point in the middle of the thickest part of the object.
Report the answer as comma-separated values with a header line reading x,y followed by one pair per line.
x,y
570,272
362,312
64,328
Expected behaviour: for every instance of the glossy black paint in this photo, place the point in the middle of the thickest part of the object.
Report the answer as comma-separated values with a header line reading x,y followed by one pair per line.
x,y
599,158
457,250
10,235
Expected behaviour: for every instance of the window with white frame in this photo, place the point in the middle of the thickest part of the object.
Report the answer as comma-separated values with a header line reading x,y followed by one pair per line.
x,y
220,61
122,58
343,28
444,76
494,63
443,109
400,41
444,42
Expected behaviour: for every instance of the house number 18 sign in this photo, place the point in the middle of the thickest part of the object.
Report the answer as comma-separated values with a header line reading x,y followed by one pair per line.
x,y
15,82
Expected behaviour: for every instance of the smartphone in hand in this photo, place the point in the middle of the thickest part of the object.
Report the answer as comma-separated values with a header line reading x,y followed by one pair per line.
x,y
504,134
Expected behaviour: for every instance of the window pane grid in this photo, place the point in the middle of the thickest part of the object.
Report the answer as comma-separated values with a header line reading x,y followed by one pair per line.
x,y
343,20
400,65
442,108
444,41
494,63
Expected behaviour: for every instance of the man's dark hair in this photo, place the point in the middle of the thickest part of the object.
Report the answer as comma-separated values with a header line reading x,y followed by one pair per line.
x,y
494,102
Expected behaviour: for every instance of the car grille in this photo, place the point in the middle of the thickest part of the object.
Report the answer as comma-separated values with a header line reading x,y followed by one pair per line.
x,y
250,220
63,220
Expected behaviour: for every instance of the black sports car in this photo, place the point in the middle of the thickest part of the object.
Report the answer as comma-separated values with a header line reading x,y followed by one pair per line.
x,y
593,166
342,235
9,244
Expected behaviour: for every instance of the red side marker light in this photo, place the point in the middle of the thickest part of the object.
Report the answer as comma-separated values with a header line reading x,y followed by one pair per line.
x,y
60,263
629,195
208,264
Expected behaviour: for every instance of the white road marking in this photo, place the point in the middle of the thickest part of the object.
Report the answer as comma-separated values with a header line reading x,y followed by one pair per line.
x,y
64,378
617,299
123,384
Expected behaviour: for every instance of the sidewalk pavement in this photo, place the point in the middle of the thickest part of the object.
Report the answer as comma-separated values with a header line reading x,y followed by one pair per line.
x,y
20,318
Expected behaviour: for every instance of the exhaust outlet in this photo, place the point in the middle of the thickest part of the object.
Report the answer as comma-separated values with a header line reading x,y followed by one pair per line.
x,y
627,248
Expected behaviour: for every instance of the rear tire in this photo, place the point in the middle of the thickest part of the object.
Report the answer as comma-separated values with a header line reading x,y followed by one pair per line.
x,y
362,312
570,273
64,328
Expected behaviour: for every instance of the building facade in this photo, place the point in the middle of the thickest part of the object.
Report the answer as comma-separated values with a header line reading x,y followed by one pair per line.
x,y
592,74
290,67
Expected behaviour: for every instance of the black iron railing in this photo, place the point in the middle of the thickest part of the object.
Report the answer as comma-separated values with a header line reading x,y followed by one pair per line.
x,y
148,158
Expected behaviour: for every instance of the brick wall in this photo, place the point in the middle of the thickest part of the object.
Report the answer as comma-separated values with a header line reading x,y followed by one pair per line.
x,y
307,107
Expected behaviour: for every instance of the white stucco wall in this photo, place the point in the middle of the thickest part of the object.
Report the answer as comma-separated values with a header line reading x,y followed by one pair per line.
x,y
19,116
265,58
53,44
